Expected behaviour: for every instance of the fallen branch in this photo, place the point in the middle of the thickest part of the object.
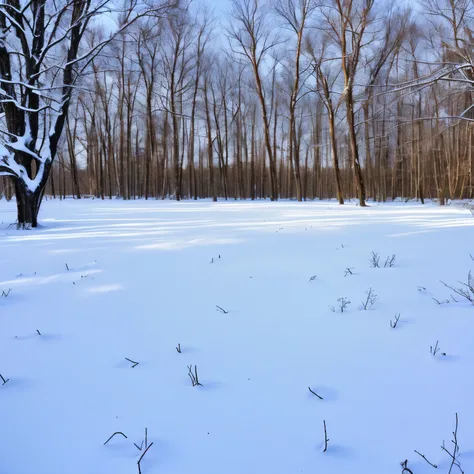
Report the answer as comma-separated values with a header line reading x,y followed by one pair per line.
x,y
424,457
455,453
314,393
326,439
193,376
393,325
405,469
349,271
116,433
141,457
132,362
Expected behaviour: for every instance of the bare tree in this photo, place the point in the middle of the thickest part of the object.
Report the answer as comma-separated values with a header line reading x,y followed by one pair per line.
x,y
254,40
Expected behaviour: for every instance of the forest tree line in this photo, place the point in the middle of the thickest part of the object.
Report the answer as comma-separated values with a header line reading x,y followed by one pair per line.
x,y
280,99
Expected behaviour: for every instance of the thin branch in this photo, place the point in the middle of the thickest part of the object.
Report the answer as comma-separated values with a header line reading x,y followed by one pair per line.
x,y
314,393
116,433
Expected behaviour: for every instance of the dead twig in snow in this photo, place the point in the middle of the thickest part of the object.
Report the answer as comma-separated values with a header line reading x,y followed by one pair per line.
x,y
343,304
424,457
134,363
222,310
146,441
139,447
440,302
313,278
370,300
6,293
389,262
349,271
374,260
454,455
393,325
193,376
39,334
434,350
405,469
141,457
314,393
466,290
116,433
326,439
3,380
178,348
67,268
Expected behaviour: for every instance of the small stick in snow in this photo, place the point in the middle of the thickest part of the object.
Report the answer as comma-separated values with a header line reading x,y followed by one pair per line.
x,y
39,334
349,271
313,278
116,433
393,325
371,299
3,380
424,457
326,439
421,288
405,469
434,350
67,268
193,376
178,348
141,457
440,302
139,447
390,261
132,361
141,444
222,310
455,454
374,260
314,393
6,293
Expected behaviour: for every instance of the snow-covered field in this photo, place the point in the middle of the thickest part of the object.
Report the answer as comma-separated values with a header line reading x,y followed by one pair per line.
x,y
105,281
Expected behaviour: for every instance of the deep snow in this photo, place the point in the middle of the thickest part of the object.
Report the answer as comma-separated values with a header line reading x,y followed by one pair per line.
x,y
145,276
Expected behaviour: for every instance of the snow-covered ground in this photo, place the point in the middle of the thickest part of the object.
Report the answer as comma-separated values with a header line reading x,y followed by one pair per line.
x,y
105,281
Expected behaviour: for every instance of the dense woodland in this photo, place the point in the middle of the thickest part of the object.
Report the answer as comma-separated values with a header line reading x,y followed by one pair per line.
x,y
275,99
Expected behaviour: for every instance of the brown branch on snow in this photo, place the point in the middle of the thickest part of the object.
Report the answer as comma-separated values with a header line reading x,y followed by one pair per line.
x,y
116,433
141,457
424,457
454,455
326,439
132,361
314,393
193,376
405,468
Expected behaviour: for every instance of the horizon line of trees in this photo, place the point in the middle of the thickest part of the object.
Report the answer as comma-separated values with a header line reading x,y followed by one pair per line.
x,y
285,99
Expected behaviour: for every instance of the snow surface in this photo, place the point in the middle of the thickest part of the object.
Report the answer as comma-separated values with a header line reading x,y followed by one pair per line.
x,y
140,281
